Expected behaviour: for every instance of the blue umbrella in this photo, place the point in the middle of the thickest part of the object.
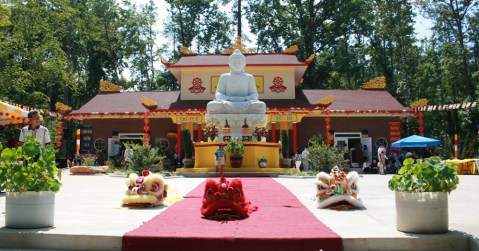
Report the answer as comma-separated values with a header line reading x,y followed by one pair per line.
x,y
416,141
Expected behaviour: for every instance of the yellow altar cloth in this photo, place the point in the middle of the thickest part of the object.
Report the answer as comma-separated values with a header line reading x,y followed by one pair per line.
x,y
464,166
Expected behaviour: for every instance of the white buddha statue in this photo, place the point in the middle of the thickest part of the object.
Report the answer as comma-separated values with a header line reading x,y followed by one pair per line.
x,y
236,92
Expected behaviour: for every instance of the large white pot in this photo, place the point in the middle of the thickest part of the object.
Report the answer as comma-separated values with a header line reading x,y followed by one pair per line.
x,y
29,209
425,213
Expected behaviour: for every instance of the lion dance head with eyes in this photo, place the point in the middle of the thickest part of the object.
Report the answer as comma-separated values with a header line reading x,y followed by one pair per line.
x,y
148,190
338,190
225,200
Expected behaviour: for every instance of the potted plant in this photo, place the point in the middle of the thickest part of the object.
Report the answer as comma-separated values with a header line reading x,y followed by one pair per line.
x,y
211,132
421,195
188,148
260,132
285,160
29,176
262,162
236,150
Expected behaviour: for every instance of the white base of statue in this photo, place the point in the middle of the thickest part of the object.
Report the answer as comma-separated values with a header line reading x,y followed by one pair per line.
x,y
236,121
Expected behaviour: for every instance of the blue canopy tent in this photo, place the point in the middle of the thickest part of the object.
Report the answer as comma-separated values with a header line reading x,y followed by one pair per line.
x,y
416,141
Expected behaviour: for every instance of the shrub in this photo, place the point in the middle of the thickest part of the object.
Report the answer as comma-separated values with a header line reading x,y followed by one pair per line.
x,y
146,157
284,144
236,148
187,144
323,157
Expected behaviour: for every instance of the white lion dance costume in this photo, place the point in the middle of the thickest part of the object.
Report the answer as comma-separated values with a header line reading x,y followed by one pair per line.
x,y
147,190
338,190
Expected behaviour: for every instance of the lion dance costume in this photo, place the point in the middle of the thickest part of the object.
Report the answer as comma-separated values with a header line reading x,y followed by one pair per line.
x,y
225,200
338,190
148,190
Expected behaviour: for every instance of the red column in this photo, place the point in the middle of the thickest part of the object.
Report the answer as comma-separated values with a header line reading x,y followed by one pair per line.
x,y
295,137
178,139
199,133
456,145
273,132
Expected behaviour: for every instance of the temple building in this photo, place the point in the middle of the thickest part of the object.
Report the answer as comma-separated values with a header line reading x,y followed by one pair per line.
x,y
353,118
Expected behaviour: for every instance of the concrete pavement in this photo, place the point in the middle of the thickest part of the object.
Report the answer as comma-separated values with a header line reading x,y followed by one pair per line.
x,y
89,216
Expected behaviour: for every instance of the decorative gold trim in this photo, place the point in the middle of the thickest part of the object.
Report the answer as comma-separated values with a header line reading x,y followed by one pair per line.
x,y
419,103
187,51
326,100
375,84
293,49
108,87
238,45
62,108
148,103
310,59
164,61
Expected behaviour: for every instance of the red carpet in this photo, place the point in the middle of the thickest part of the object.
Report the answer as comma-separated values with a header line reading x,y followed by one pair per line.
x,y
281,223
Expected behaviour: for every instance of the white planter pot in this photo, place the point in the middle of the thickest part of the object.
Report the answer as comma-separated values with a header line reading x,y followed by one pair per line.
x,y
425,213
29,209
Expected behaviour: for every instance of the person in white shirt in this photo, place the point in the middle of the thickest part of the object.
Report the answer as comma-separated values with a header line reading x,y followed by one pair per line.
x,y
305,161
39,132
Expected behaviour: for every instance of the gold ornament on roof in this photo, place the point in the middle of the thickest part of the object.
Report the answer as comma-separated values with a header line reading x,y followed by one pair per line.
x,y
164,61
108,87
310,58
293,49
186,51
148,103
238,45
419,103
62,108
375,84
326,101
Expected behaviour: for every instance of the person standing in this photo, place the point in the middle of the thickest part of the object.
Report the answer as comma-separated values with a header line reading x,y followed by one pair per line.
x,y
220,155
35,129
382,158
305,160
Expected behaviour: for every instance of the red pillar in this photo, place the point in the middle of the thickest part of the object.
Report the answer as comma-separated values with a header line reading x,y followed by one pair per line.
x,y
199,133
178,139
295,137
273,132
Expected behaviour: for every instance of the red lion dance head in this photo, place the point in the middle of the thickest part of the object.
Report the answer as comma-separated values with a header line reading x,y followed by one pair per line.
x,y
225,200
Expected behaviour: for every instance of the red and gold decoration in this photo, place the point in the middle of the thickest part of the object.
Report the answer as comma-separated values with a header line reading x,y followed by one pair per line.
x,y
260,131
293,49
197,87
146,129
420,123
309,59
378,83
186,51
327,127
420,103
62,108
225,200
60,133
77,141
211,131
338,191
394,131
12,113
278,86
326,101
148,103
456,145
108,87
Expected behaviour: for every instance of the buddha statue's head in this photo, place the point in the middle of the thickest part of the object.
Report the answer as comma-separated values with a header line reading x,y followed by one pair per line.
x,y
237,61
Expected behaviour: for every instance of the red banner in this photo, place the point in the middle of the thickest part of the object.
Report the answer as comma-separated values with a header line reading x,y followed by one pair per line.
x,y
394,131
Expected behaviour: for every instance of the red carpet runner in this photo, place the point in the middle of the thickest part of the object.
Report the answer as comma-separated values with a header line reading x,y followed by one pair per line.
x,y
281,223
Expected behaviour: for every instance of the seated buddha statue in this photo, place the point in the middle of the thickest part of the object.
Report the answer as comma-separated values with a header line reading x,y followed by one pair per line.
x,y
236,92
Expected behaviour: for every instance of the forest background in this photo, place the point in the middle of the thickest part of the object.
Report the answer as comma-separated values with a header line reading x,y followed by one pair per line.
x,y
59,50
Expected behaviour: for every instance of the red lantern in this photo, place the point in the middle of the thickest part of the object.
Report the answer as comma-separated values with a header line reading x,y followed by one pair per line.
x,y
328,142
60,124
1,113
328,134
147,121
6,127
59,130
59,137
327,112
420,115
146,135
327,119
328,127
146,128
7,114
147,114
420,129
58,144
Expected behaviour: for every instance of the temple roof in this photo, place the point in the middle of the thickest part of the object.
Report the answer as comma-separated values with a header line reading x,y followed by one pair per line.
x,y
345,101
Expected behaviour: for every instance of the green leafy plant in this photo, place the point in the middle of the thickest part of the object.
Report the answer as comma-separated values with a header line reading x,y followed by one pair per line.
x,y
89,161
187,143
429,175
236,147
29,168
284,144
146,157
323,157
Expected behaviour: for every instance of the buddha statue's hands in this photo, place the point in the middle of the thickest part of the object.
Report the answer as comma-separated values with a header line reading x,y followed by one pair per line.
x,y
237,99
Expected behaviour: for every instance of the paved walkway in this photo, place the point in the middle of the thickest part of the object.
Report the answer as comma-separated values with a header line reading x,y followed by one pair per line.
x,y
89,216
